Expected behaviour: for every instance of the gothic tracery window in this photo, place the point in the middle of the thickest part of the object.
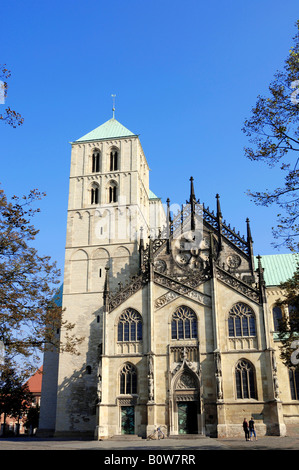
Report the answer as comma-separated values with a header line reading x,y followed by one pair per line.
x,y
241,321
129,326
128,380
184,324
245,380
277,316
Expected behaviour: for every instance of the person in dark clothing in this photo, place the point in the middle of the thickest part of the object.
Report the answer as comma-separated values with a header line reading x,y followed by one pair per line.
x,y
246,429
251,428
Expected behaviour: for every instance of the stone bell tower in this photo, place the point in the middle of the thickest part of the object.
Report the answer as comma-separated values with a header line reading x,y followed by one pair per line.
x,y
108,208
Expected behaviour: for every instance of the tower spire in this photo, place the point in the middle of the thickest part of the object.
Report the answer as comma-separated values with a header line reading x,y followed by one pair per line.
x,y
113,108
250,244
219,213
192,203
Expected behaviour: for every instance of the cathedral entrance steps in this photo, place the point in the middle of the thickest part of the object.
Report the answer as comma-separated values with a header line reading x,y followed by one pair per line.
x,y
126,437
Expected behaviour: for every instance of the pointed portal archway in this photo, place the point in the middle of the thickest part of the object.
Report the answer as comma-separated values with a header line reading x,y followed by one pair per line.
x,y
185,403
187,417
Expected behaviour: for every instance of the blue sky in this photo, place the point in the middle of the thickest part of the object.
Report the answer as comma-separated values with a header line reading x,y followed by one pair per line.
x,y
185,74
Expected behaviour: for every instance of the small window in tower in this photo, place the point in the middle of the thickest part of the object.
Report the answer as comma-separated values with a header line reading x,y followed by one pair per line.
x,y
113,160
95,161
94,195
112,195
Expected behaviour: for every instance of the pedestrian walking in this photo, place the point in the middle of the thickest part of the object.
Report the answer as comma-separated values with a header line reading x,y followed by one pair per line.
x,y
251,428
246,429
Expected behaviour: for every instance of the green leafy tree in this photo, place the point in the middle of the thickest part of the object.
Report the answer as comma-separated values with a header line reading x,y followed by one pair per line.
x,y
15,397
274,136
32,418
11,117
288,330
29,314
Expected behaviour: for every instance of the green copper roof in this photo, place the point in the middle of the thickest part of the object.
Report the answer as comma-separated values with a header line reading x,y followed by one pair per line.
x,y
278,268
152,195
109,130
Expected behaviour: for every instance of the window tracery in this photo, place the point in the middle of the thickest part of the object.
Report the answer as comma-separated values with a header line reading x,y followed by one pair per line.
x,y
241,321
245,380
128,380
184,324
129,326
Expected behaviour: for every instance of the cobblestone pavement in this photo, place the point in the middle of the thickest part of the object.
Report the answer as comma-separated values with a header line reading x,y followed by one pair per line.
x,y
163,445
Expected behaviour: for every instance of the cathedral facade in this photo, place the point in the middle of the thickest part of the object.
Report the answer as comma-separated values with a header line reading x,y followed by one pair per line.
x,y
175,310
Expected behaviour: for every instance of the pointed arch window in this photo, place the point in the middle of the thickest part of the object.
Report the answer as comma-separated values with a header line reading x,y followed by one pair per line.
x,y
95,161
184,324
129,326
277,316
113,160
241,321
94,194
245,380
128,380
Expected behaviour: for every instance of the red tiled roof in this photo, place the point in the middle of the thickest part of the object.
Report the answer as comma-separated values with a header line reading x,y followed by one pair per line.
x,y
35,382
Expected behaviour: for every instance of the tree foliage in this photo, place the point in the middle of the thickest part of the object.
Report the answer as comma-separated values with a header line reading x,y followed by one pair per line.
x,y
273,132
29,315
289,324
32,417
11,117
15,396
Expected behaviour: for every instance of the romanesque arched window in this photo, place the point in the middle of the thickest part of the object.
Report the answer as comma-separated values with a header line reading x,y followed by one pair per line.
x,y
94,194
184,324
112,192
277,316
129,326
95,164
128,380
245,380
241,321
113,160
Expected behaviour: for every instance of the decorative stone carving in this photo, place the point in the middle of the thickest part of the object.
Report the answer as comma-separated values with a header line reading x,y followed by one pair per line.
x,y
218,375
170,296
136,283
160,265
181,284
190,250
150,378
237,284
233,261
185,381
275,379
